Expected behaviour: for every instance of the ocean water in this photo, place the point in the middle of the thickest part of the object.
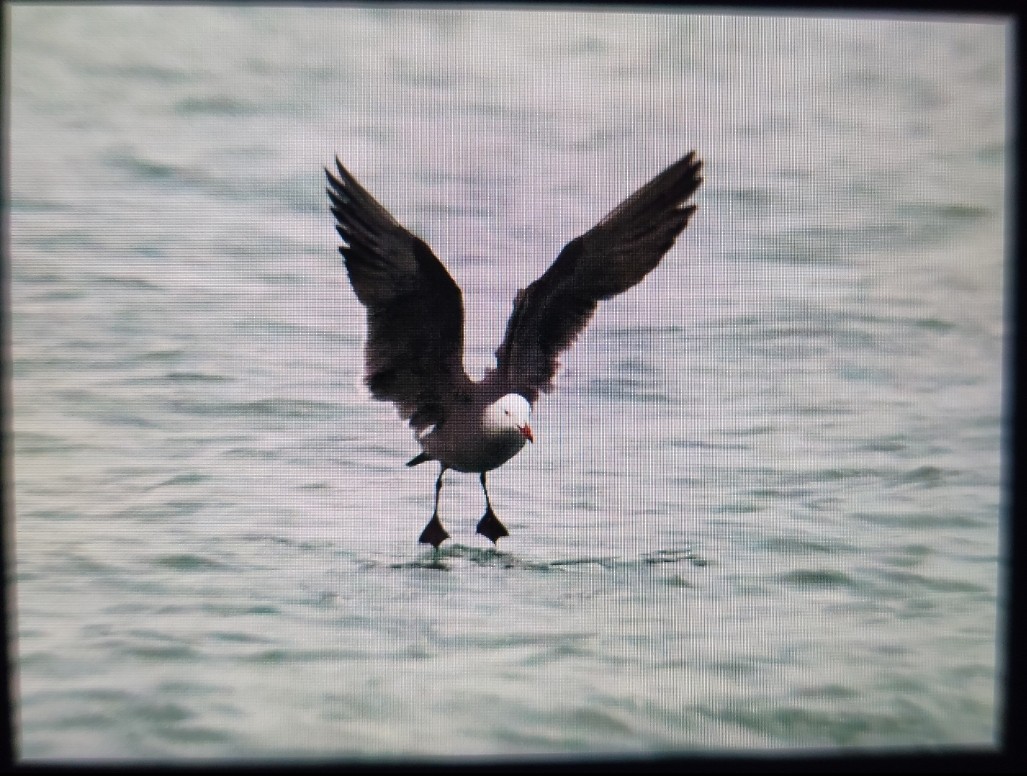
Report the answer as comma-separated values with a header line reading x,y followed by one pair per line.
x,y
765,507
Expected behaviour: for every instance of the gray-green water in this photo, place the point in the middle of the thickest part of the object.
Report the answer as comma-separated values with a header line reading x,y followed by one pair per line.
x,y
764,509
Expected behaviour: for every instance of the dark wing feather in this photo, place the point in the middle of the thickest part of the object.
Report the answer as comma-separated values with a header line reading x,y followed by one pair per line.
x,y
415,312
608,259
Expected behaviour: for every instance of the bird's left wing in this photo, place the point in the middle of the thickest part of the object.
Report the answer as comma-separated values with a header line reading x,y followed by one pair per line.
x,y
606,260
415,312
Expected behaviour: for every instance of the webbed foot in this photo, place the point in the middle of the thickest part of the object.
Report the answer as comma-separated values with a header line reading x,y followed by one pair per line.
x,y
433,533
490,526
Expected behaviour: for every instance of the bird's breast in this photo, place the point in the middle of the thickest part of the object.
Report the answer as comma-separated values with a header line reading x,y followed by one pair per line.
x,y
473,452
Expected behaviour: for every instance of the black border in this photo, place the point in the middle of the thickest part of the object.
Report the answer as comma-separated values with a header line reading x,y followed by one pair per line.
x,y
1012,754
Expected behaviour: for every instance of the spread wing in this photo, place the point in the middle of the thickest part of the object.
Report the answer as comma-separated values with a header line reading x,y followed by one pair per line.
x,y
608,259
415,312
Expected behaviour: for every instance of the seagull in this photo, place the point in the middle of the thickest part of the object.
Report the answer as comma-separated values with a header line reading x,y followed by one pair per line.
x,y
415,322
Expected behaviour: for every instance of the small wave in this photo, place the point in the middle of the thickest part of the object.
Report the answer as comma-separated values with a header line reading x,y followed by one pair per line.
x,y
194,377
326,656
444,559
918,520
827,692
170,652
180,479
934,584
28,205
841,727
145,72
134,284
260,408
790,545
231,610
215,106
237,637
673,556
888,444
189,562
144,168
816,579
835,474
163,355
193,735
927,476
631,389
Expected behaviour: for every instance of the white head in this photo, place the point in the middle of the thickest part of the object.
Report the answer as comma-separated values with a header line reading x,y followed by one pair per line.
x,y
509,415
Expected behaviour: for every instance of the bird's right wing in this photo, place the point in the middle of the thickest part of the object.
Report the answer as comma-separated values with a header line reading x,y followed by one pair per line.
x,y
608,259
415,312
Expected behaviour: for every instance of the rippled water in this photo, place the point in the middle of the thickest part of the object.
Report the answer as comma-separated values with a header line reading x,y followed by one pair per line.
x,y
765,506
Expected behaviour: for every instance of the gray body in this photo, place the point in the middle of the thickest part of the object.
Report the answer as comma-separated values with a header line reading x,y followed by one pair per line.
x,y
459,444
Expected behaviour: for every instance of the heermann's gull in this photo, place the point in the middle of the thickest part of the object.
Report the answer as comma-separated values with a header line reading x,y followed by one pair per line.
x,y
415,322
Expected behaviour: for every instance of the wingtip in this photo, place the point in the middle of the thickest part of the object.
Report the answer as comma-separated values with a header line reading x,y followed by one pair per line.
x,y
691,161
334,184
337,178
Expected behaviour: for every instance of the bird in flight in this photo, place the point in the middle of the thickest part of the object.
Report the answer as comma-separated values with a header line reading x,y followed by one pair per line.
x,y
415,322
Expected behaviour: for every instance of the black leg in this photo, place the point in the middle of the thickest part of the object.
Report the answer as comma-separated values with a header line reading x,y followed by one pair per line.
x,y
489,526
433,533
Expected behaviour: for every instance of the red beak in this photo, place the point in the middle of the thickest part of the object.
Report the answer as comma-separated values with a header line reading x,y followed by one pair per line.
x,y
526,432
